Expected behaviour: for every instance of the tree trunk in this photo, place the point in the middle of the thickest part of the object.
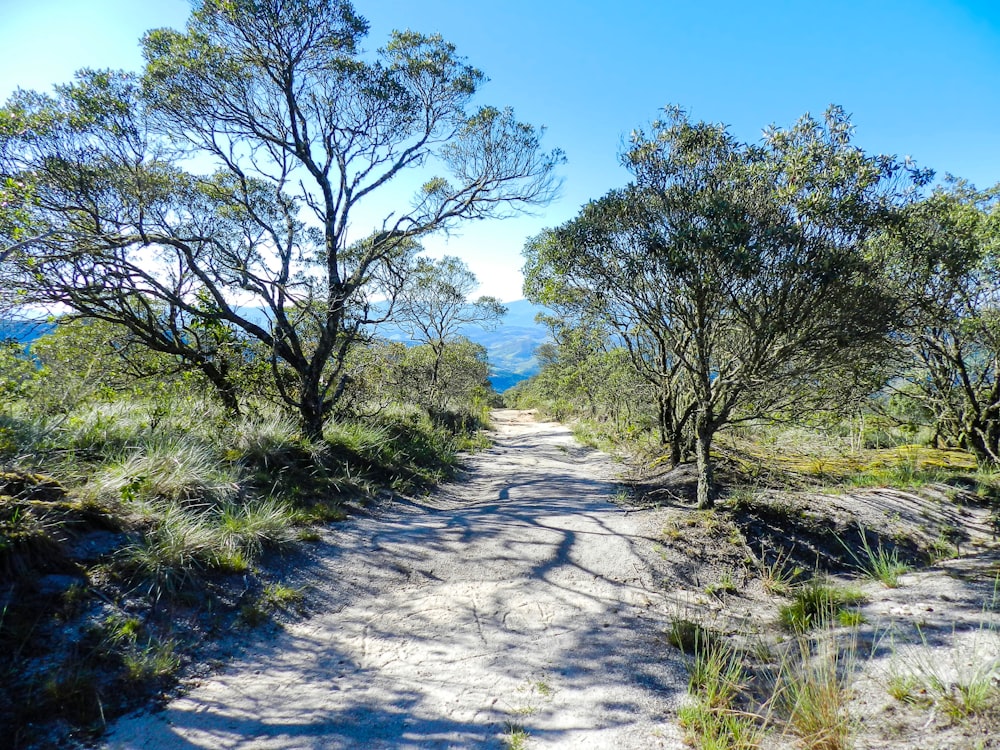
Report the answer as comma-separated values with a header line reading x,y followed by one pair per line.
x,y
311,411
984,441
662,419
225,389
676,454
703,454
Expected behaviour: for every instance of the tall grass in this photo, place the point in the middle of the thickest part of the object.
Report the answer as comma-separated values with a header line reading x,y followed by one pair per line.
x,y
171,554
248,528
878,564
810,692
739,701
176,471
715,718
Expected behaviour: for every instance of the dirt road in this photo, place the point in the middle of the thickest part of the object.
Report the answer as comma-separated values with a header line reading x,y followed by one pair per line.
x,y
510,607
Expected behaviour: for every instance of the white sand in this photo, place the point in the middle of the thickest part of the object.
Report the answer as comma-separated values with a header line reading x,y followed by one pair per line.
x,y
517,597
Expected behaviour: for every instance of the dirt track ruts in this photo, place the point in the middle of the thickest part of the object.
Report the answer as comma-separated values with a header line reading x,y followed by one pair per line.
x,y
515,597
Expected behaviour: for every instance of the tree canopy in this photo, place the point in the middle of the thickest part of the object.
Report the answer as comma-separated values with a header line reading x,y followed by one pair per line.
x,y
224,179
737,271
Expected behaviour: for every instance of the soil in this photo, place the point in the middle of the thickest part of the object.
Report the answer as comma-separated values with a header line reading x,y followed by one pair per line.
x,y
520,599
527,605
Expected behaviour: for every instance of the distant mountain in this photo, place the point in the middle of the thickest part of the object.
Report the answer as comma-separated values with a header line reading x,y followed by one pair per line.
x,y
510,347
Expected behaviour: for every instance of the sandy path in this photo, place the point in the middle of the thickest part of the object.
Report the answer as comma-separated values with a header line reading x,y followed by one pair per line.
x,y
517,597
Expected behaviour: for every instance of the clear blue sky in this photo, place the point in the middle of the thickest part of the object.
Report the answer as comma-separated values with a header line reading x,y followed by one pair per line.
x,y
921,77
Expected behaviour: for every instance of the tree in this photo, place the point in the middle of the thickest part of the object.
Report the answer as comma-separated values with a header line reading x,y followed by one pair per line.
x,y
746,260
433,308
588,295
463,367
944,263
301,128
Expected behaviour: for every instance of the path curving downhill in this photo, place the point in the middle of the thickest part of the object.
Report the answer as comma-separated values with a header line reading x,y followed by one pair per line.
x,y
515,600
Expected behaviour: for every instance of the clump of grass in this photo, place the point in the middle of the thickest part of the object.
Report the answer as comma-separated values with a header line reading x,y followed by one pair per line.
x,y
963,683
247,528
253,614
180,472
779,575
172,553
184,542
816,602
26,544
714,717
274,597
904,476
362,439
515,736
906,688
743,497
279,596
725,585
811,695
151,660
691,637
142,660
878,564
268,441
74,691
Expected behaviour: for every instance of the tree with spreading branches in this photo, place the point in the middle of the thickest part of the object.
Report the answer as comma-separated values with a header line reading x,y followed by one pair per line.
x,y
208,202
743,268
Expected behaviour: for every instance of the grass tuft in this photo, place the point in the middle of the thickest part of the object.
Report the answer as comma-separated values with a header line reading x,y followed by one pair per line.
x,y
817,602
811,693
878,564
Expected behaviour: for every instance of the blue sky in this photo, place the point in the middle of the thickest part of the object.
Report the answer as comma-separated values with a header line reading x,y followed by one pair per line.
x,y
920,77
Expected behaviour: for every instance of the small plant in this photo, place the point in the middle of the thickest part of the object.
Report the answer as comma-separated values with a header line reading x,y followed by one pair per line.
x,y
778,576
152,660
515,736
850,618
906,688
622,496
253,614
878,564
691,637
672,531
279,596
817,602
74,691
743,498
964,683
725,585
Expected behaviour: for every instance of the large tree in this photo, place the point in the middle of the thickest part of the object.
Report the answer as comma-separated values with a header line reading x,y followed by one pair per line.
x,y
944,263
291,128
746,260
